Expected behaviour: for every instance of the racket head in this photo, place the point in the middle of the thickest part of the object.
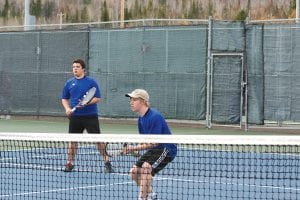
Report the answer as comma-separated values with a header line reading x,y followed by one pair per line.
x,y
88,96
114,149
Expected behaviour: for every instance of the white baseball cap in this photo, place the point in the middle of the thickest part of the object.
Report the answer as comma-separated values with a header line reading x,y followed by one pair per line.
x,y
139,93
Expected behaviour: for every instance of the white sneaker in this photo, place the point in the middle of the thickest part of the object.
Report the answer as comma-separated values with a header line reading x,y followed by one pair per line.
x,y
152,196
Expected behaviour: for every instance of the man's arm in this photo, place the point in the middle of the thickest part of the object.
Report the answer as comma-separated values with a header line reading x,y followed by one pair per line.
x,y
66,105
94,101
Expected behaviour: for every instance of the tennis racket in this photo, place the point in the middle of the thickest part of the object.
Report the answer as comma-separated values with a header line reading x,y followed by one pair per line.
x,y
89,95
116,149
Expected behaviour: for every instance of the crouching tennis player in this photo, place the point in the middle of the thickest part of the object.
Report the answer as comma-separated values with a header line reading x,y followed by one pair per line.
x,y
157,156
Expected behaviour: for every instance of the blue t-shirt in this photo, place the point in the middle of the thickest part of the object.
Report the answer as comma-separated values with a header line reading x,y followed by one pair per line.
x,y
154,123
74,90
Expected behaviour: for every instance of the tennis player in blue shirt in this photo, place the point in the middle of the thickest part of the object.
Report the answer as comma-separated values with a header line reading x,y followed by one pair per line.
x,y
83,118
157,156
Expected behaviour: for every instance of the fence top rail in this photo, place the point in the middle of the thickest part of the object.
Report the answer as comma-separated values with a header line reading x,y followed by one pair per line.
x,y
133,23
108,24
274,21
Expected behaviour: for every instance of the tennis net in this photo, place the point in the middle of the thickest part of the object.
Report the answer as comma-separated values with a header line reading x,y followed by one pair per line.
x,y
206,167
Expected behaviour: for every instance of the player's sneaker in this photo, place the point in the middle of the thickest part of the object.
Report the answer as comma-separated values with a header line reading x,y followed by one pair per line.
x,y
69,167
108,167
152,196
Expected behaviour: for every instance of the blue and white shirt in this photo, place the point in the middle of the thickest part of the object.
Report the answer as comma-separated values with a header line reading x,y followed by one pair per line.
x,y
154,123
75,89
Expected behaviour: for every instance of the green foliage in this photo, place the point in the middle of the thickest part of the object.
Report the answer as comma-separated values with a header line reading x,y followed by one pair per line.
x,y
211,9
293,5
275,11
14,12
84,15
162,12
137,11
87,2
241,16
5,10
36,8
48,9
67,17
127,14
226,12
194,12
104,13
75,18
145,12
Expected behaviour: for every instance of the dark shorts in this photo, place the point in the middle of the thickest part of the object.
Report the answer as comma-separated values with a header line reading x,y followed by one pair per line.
x,y
157,158
88,123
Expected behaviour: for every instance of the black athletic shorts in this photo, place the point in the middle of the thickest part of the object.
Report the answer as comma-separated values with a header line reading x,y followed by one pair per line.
x,y
157,158
78,124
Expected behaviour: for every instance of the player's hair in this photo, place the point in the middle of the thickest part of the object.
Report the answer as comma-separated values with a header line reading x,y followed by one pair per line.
x,y
81,62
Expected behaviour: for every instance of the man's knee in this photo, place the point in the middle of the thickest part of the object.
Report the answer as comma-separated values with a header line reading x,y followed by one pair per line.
x,y
146,168
133,171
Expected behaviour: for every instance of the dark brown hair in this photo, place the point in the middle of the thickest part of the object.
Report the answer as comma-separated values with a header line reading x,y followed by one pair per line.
x,y
81,62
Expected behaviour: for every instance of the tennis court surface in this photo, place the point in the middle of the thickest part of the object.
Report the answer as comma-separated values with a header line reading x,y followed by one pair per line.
x,y
206,167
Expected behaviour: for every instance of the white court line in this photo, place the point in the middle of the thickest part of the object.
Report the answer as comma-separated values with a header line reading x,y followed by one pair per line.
x,y
65,189
226,182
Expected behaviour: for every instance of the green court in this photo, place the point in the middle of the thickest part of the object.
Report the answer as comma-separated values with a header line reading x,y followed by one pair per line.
x,y
114,126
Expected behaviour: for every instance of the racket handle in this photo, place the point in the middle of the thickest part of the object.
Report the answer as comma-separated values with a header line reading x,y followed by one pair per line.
x,y
135,153
124,146
73,109
132,153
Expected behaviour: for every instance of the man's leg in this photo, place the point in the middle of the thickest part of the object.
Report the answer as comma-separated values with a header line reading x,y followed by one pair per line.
x,y
75,126
92,126
101,148
72,150
135,174
107,164
145,180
